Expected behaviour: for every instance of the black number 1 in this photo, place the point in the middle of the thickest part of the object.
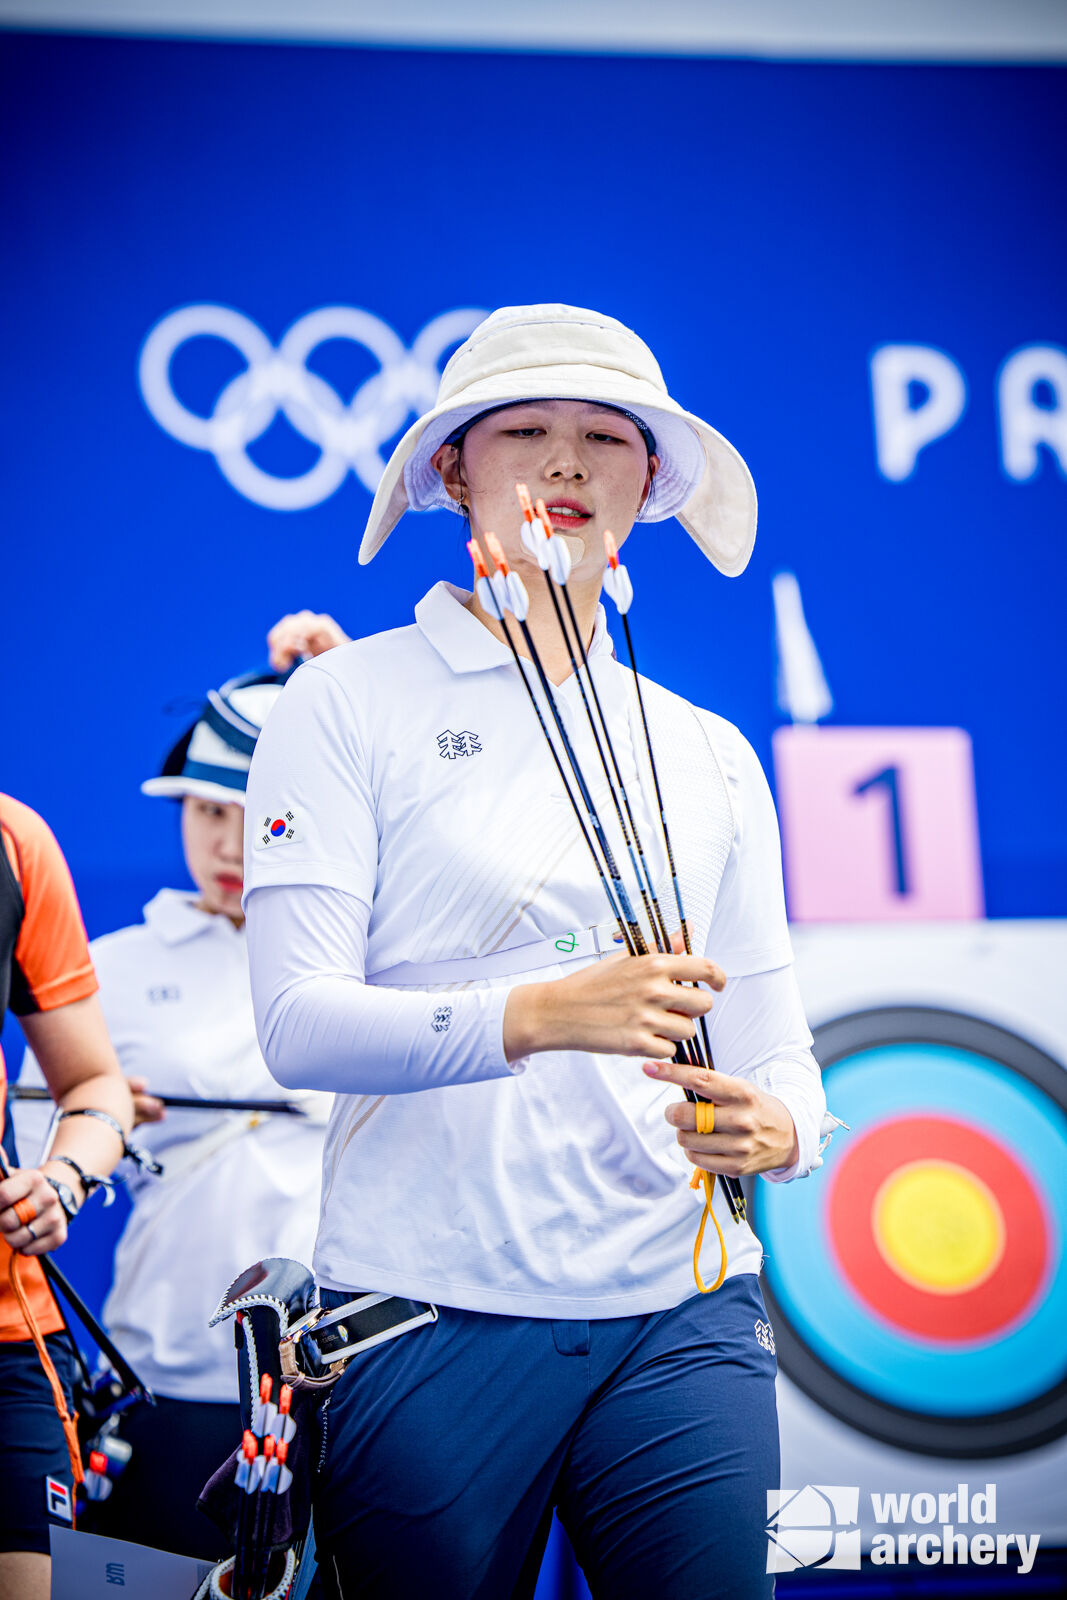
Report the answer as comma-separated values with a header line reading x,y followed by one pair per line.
x,y
887,779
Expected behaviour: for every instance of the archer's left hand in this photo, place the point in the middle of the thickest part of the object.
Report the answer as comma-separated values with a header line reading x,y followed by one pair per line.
x,y
40,1223
753,1131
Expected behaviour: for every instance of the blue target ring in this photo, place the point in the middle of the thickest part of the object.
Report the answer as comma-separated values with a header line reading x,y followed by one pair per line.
x,y
998,1393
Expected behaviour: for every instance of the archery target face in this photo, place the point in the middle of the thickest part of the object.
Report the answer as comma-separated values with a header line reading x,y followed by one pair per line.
x,y
917,1282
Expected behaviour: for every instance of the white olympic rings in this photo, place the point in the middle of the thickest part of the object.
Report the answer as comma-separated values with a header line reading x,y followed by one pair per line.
x,y
349,436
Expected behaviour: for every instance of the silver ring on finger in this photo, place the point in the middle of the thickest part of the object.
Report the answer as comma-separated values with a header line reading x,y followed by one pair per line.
x,y
29,1229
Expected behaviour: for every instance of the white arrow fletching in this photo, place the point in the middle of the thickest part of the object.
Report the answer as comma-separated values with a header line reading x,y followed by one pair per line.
x,y
617,583
559,560
518,599
499,586
483,590
536,541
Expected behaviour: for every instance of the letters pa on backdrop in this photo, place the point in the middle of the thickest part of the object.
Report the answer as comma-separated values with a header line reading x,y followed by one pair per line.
x,y
920,394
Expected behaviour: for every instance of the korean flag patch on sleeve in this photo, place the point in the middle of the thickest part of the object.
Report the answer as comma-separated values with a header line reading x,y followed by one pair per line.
x,y
277,827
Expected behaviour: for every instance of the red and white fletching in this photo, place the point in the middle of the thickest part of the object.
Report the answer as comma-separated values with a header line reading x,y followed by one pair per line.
x,y
284,1428
285,1476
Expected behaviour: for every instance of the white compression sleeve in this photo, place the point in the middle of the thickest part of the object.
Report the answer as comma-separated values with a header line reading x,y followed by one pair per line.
x,y
321,1026
758,1031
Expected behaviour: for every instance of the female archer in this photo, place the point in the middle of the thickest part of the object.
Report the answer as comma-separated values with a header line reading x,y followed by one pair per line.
x,y
430,938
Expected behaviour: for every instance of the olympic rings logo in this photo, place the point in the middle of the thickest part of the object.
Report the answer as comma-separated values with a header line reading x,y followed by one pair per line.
x,y
276,381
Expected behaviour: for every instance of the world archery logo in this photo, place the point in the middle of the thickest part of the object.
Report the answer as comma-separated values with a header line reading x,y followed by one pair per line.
x,y
813,1527
278,827
450,745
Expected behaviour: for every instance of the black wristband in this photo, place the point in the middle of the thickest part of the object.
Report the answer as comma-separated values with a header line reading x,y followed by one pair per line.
x,y
89,1181
140,1158
65,1196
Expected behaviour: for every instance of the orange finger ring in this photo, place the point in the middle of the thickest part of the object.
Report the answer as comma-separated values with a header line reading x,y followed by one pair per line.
x,y
705,1110
26,1212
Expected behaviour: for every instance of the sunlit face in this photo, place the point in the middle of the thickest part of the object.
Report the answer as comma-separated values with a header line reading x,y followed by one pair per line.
x,y
213,840
587,462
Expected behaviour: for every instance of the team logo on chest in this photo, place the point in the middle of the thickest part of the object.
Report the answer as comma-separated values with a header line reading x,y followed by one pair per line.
x,y
452,745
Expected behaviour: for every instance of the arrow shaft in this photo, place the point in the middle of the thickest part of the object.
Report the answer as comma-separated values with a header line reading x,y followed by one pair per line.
x,y
735,1195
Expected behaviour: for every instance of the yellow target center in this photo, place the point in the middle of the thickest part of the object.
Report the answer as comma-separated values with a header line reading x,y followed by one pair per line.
x,y
938,1226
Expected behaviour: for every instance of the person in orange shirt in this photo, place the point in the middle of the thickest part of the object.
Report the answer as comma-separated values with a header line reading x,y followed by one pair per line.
x,y
47,981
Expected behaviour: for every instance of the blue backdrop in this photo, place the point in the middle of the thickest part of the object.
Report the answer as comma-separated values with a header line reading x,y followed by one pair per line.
x,y
765,226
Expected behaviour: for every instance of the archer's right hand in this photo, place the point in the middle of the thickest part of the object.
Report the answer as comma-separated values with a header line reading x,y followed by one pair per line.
x,y
623,1005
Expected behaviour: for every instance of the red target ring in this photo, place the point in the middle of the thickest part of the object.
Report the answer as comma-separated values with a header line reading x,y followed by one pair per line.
x,y
896,1200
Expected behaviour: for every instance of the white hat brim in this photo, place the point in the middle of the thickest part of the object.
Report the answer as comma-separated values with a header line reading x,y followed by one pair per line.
x,y
702,480
177,787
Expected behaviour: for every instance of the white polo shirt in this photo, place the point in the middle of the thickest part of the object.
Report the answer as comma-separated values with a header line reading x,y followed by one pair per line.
x,y
403,814
175,994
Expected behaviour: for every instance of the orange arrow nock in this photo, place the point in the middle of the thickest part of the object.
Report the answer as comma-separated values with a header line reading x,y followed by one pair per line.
x,y
611,548
268,1446
285,1399
525,502
546,520
474,550
266,1384
496,550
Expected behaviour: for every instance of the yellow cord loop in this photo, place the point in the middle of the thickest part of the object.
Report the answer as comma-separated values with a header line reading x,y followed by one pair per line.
x,y
705,1118
708,1180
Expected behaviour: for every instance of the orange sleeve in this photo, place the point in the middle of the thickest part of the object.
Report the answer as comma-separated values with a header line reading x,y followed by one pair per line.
x,y
51,966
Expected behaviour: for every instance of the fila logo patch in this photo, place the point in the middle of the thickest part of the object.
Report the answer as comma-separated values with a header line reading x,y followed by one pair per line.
x,y
57,1500
450,745
277,827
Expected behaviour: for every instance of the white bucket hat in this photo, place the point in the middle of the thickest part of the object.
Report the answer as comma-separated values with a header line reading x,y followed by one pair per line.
x,y
554,352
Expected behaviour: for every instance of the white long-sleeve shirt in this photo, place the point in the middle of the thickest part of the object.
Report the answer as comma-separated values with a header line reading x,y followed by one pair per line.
x,y
175,994
406,831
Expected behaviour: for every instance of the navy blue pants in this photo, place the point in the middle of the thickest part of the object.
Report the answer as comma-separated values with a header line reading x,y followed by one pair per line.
x,y
655,1437
33,1449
